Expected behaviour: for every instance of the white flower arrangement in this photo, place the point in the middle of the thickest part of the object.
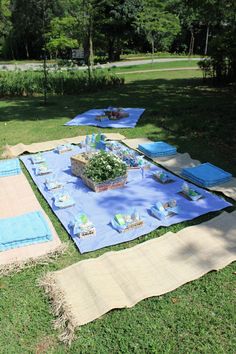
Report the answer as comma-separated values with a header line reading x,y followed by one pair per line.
x,y
104,166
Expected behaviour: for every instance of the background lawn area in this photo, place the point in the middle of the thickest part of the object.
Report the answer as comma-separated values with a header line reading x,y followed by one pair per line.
x,y
199,316
157,55
154,66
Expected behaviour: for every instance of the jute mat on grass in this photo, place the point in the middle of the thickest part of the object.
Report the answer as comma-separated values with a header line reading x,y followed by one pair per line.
x,y
19,149
86,290
176,163
17,198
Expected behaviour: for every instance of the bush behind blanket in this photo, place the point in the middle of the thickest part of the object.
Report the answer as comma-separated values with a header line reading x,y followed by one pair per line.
x,y
28,83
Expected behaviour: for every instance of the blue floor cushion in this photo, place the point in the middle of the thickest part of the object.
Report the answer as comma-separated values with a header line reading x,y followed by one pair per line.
x,y
206,174
9,167
24,230
156,149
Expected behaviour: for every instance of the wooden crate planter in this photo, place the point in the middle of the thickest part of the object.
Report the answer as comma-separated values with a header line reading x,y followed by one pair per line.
x,y
106,185
79,162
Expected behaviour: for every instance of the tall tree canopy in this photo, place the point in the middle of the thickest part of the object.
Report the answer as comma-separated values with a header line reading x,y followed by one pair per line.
x,y
158,24
110,27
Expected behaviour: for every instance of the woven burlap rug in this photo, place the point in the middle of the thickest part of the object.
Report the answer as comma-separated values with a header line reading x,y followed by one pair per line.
x,y
87,290
19,149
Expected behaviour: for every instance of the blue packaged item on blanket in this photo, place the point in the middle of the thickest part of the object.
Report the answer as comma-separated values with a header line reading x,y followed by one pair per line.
x,y
206,175
53,183
42,169
9,167
164,210
63,200
157,149
24,230
82,226
126,221
64,148
38,158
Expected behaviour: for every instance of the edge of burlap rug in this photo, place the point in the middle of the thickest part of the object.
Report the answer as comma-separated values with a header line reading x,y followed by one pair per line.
x,y
19,149
18,266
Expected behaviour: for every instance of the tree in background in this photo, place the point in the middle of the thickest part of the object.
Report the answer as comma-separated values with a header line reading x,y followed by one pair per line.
x,y
5,22
62,35
117,25
189,21
83,13
219,18
26,35
110,26
157,23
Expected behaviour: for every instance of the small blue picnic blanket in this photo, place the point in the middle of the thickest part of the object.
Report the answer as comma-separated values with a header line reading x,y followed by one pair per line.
x,y
23,230
89,118
9,167
157,149
141,192
206,175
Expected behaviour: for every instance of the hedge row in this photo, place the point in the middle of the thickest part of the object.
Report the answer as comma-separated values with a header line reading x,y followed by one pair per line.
x,y
28,83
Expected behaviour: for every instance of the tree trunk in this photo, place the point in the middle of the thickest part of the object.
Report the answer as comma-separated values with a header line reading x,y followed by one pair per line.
x,y
12,49
111,49
90,49
45,77
191,45
219,72
86,50
207,38
27,50
153,49
90,40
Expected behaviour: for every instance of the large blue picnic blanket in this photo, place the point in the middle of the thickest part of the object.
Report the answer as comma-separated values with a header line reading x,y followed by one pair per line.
x,y
23,230
89,118
141,192
9,167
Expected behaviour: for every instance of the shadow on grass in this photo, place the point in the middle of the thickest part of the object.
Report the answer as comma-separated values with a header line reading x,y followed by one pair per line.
x,y
196,118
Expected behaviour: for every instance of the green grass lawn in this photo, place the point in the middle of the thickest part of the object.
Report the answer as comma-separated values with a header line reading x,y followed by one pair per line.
x,y
157,55
199,317
168,65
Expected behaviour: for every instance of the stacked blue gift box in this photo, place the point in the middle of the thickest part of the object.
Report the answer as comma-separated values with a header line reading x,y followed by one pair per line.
x,y
157,149
206,175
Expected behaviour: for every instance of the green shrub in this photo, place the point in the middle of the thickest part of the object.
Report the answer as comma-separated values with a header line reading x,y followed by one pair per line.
x,y
104,166
61,82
